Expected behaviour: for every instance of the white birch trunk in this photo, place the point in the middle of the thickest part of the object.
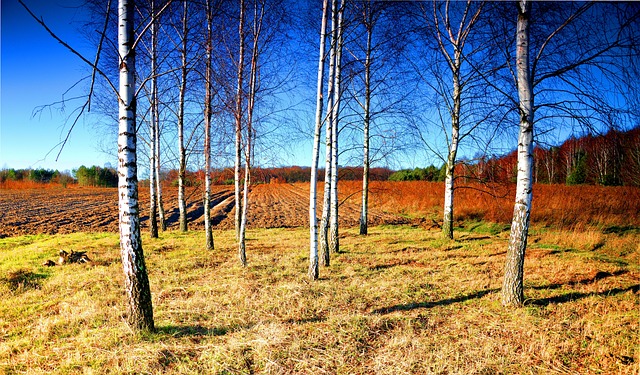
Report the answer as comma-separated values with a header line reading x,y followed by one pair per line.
x,y
456,40
364,225
140,309
313,272
238,132
153,199
512,287
207,132
182,153
163,222
325,257
334,239
447,223
251,100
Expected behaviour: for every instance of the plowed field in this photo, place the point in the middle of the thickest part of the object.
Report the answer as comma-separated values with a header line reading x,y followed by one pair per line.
x,y
78,209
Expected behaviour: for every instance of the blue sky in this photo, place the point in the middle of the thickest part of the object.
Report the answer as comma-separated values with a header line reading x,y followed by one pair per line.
x,y
35,71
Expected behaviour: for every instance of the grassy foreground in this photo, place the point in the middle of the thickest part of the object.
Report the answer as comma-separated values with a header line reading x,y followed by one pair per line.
x,y
399,301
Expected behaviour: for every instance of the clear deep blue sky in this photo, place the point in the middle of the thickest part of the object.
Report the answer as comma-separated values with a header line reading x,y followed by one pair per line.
x,y
36,70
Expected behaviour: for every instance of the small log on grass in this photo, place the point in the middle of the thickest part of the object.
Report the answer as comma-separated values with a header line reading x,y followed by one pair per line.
x,y
73,257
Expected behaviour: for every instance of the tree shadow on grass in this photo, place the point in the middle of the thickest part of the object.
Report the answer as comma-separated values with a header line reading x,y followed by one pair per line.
x,y
590,280
198,330
191,331
313,319
427,305
576,296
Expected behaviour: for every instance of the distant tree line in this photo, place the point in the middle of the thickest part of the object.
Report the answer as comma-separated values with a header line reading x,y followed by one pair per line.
x,y
611,159
96,176
36,175
83,176
592,160
430,173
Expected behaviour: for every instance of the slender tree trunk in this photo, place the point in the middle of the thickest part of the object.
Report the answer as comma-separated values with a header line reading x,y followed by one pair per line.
x,y
238,133
456,40
153,199
512,287
182,153
140,309
364,226
251,100
207,132
447,223
163,222
325,257
313,183
334,239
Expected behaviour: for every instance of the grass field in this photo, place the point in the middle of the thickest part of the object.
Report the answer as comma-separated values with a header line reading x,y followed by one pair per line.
x,y
400,301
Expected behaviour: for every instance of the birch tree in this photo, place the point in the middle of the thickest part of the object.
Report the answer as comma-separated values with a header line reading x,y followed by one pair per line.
x,y
158,164
182,153
313,182
140,309
512,287
238,133
153,107
325,256
369,19
334,239
562,64
207,127
451,43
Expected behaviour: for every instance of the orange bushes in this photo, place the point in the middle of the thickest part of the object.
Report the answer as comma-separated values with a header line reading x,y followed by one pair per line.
x,y
558,205
27,184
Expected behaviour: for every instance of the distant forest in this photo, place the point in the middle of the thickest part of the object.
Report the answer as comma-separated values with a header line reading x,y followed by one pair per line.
x,y
612,159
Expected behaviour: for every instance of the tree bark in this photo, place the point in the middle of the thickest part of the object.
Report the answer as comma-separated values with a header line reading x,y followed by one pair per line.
x,y
182,153
364,226
456,39
153,199
447,223
140,309
325,257
238,133
251,100
161,216
207,131
512,287
334,239
313,272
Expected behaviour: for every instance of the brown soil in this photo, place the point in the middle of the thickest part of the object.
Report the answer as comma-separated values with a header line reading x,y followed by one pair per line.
x,y
78,209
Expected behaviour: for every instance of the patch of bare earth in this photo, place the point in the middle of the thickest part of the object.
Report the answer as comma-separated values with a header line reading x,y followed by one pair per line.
x,y
77,209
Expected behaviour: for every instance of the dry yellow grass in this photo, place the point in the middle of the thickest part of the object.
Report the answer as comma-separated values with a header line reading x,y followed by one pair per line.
x,y
399,301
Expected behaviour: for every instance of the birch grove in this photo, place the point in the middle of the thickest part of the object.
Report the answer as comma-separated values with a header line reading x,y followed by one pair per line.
x,y
463,72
